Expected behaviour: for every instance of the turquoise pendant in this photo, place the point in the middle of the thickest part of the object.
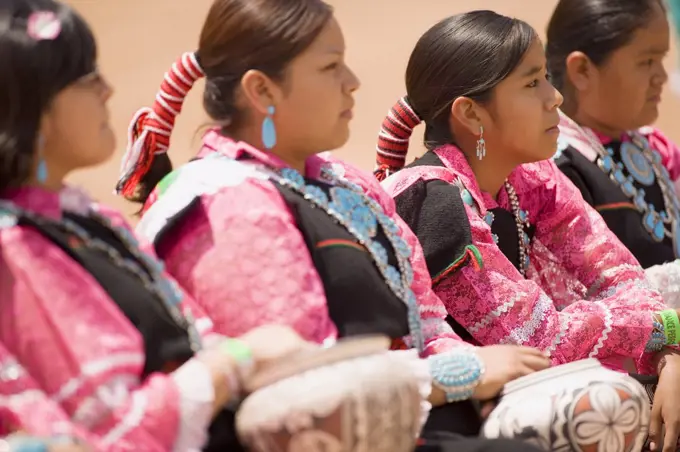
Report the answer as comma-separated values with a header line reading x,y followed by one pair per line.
x,y
618,176
606,163
654,224
639,200
467,197
628,188
637,164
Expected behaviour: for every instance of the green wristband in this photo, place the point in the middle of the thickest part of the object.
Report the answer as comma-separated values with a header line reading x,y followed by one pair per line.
x,y
671,325
240,353
244,364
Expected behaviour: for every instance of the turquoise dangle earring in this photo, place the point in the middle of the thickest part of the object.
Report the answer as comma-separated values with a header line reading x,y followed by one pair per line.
x,y
41,170
268,129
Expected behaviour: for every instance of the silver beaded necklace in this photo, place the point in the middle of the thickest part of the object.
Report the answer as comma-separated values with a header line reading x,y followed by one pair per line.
x,y
522,224
660,224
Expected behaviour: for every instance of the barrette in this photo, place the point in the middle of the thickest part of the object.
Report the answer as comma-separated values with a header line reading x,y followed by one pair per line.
x,y
43,26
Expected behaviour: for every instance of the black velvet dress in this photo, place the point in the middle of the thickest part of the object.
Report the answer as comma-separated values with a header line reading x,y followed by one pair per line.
x,y
619,211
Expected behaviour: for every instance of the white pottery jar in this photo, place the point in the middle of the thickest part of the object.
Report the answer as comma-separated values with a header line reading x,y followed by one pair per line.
x,y
579,406
351,397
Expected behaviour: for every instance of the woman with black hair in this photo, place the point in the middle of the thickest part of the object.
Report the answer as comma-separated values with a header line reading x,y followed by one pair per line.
x,y
516,255
626,169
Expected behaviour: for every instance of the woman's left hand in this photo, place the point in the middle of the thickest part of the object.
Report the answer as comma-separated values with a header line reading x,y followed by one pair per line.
x,y
271,344
68,448
666,406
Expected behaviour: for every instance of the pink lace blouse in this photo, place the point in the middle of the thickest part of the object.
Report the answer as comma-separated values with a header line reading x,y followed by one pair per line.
x,y
71,361
584,295
243,258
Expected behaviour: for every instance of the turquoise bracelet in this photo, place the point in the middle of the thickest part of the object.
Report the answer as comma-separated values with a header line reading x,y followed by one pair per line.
x,y
457,373
658,339
26,444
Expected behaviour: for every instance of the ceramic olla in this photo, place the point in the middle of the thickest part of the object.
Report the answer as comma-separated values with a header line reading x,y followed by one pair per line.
x,y
580,406
355,396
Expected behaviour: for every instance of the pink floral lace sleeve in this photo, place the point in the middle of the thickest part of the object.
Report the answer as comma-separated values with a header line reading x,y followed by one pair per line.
x,y
615,285
49,320
50,309
612,321
438,334
246,264
24,407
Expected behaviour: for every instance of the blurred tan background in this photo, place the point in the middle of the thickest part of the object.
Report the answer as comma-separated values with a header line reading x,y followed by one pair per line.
x,y
140,39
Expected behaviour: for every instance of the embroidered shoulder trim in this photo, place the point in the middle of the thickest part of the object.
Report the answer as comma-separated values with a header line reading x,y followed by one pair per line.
x,y
334,243
180,188
616,206
471,255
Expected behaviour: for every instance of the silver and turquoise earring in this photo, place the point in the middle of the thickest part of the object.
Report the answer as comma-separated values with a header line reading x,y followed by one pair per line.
x,y
268,129
481,144
41,173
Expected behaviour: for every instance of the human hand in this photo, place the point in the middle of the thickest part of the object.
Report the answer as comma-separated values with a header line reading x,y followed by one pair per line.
x,y
666,407
68,448
504,363
243,361
271,344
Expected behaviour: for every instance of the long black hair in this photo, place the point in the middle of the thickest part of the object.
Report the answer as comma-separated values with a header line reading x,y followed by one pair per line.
x,y
595,27
466,55
32,73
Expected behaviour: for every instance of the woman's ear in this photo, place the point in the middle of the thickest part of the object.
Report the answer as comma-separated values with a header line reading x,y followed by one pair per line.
x,y
579,71
467,114
260,91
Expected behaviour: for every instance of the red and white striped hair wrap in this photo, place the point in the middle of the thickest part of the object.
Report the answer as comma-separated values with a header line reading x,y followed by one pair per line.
x,y
393,138
150,128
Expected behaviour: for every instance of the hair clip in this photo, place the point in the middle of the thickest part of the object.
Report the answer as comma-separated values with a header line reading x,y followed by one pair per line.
x,y
43,26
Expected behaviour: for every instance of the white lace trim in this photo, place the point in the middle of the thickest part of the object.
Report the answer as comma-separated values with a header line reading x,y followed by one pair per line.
x,y
523,333
608,321
130,421
502,309
200,177
96,367
197,396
